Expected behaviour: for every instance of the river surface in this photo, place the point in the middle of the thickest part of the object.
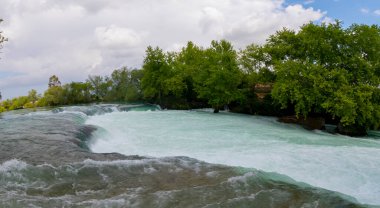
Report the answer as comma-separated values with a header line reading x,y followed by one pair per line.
x,y
140,156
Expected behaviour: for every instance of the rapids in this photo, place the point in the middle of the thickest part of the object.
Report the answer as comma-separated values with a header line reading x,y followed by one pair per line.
x,y
334,162
140,156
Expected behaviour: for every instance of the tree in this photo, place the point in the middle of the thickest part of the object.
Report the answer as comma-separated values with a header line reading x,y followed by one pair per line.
x,y
54,94
52,97
156,69
256,64
100,87
120,82
32,96
76,92
134,92
219,77
326,69
187,65
54,81
32,99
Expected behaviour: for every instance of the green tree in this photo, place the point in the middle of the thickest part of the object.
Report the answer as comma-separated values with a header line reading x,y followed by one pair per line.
x,y
219,76
54,81
120,82
99,87
156,69
33,96
134,92
255,62
187,64
18,103
76,92
32,99
54,94
326,69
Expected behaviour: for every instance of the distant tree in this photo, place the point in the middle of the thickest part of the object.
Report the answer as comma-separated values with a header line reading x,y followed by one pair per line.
x,y
156,69
54,81
187,64
54,94
120,79
99,87
18,103
76,92
134,92
219,77
32,96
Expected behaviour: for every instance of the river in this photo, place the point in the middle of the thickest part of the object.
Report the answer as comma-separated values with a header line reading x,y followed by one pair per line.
x,y
140,156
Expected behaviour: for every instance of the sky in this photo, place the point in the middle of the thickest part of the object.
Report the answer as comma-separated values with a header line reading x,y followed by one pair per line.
x,y
76,38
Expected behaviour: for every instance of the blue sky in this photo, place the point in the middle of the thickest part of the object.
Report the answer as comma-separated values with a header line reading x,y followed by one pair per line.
x,y
348,11
76,38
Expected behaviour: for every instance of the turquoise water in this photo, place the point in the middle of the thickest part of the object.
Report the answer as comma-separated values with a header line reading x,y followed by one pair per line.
x,y
65,157
334,162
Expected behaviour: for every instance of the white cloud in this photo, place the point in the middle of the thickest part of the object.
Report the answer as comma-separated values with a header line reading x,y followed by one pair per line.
x,y
74,38
364,10
377,12
211,21
308,2
328,20
117,37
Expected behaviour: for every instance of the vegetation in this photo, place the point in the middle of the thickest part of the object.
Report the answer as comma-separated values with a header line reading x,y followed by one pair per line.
x,y
326,69
321,70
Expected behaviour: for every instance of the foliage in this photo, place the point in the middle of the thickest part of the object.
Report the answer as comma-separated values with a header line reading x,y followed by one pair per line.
x,y
54,81
330,70
20,102
218,79
76,92
124,85
157,70
256,64
188,63
321,69
52,97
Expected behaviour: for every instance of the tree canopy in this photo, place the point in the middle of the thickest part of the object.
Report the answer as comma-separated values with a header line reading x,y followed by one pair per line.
x,y
328,69
321,69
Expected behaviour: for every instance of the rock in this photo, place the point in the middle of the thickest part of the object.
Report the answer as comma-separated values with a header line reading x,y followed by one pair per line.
x,y
352,130
313,123
289,119
310,123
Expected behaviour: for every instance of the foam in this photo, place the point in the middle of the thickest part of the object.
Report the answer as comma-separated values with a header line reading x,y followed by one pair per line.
x,y
334,162
12,165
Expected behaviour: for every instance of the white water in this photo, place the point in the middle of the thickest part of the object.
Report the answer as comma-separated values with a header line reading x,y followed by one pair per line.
x,y
339,163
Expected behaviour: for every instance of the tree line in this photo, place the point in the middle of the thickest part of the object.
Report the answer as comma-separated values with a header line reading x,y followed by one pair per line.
x,y
321,70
